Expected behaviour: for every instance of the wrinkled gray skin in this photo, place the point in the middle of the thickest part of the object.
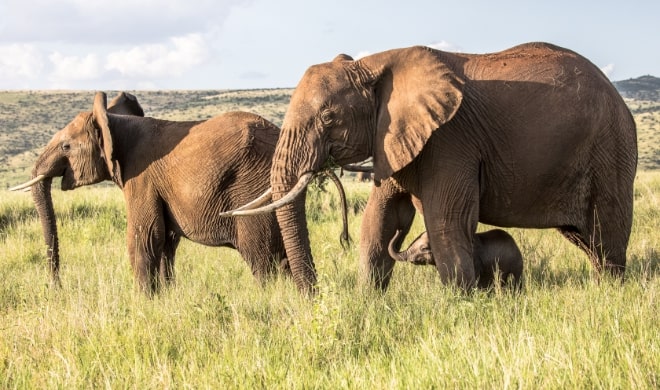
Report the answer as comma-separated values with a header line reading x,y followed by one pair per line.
x,y
495,252
176,177
534,136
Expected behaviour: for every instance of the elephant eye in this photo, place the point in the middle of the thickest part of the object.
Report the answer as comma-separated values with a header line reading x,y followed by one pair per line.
x,y
327,118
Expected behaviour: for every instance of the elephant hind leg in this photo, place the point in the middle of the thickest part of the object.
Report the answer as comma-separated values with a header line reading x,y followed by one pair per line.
x,y
606,248
167,258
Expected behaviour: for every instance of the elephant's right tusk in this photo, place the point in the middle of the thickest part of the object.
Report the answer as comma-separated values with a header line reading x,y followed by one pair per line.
x,y
28,184
286,199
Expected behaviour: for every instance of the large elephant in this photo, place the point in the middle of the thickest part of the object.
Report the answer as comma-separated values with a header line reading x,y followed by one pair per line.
x,y
176,178
534,137
496,256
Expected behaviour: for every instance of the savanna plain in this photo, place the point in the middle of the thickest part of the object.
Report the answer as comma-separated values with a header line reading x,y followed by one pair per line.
x,y
218,328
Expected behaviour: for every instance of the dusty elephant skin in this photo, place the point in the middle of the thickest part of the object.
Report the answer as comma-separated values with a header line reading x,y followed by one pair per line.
x,y
533,137
496,256
176,178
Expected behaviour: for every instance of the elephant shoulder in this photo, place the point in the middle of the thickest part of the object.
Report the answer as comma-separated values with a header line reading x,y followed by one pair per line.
x,y
253,132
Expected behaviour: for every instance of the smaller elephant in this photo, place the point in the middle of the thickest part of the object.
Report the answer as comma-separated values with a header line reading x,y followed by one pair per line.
x,y
494,251
176,178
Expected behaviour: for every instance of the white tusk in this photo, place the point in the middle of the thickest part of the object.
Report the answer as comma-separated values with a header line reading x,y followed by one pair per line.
x,y
260,201
28,183
286,199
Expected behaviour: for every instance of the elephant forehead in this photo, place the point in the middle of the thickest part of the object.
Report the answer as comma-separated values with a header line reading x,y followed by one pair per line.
x,y
325,79
79,123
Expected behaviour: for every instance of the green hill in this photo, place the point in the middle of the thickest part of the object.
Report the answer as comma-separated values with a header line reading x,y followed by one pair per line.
x,y
640,88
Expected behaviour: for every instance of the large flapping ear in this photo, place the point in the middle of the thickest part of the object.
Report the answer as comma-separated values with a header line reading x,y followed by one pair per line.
x,y
125,104
416,94
100,115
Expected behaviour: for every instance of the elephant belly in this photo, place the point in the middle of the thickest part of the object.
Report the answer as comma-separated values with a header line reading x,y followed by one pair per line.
x,y
203,230
533,202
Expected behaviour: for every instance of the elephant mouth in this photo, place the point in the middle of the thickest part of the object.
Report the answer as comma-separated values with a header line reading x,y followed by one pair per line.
x,y
68,180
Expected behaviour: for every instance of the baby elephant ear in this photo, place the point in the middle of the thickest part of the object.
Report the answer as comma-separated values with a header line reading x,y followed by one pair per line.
x,y
100,115
417,92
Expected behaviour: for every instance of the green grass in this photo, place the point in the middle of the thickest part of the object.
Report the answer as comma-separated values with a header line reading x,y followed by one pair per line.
x,y
218,328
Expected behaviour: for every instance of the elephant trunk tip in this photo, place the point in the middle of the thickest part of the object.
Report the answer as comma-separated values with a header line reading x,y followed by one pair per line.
x,y
392,251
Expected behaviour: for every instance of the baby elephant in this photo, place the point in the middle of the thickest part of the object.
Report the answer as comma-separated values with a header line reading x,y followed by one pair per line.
x,y
494,251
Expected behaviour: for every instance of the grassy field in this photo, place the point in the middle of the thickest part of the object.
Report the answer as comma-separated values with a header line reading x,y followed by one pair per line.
x,y
218,328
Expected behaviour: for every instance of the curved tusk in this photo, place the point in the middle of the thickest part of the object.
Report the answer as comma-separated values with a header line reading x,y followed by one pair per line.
x,y
28,183
260,201
286,199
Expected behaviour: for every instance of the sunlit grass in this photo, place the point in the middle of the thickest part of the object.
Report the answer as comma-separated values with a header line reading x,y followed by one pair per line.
x,y
218,328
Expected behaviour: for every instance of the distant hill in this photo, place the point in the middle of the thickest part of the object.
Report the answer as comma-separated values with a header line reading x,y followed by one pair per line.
x,y
640,88
28,119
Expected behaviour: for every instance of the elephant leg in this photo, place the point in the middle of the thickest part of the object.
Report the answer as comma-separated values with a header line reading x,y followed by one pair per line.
x,y
166,270
604,239
259,243
388,209
146,241
451,223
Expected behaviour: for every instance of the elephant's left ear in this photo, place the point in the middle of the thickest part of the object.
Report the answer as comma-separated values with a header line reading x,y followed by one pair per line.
x,y
417,93
100,113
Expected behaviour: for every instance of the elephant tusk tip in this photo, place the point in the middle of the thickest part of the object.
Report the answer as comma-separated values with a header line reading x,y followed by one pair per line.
x,y
28,184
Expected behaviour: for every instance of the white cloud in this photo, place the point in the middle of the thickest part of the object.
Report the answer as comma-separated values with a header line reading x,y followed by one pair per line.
x,y
362,54
74,68
160,60
608,69
22,61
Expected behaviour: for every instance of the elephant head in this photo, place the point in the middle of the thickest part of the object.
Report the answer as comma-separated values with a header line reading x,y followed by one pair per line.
x,y
81,154
418,253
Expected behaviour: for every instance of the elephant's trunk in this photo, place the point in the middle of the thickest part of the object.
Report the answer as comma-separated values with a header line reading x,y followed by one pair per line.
x,y
291,218
398,256
43,201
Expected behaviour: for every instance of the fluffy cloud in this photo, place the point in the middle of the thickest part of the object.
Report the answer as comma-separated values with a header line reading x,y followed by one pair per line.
x,y
608,69
74,68
19,61
160,60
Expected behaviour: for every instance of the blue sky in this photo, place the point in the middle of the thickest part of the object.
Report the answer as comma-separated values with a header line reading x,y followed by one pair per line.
x,y
241,44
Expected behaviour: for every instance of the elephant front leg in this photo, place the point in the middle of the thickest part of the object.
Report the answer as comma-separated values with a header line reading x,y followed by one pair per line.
x,y
145,250
388,209
451,230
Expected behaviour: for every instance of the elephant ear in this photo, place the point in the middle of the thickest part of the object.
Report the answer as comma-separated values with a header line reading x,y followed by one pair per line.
x,y
100,115
125,104
416,93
